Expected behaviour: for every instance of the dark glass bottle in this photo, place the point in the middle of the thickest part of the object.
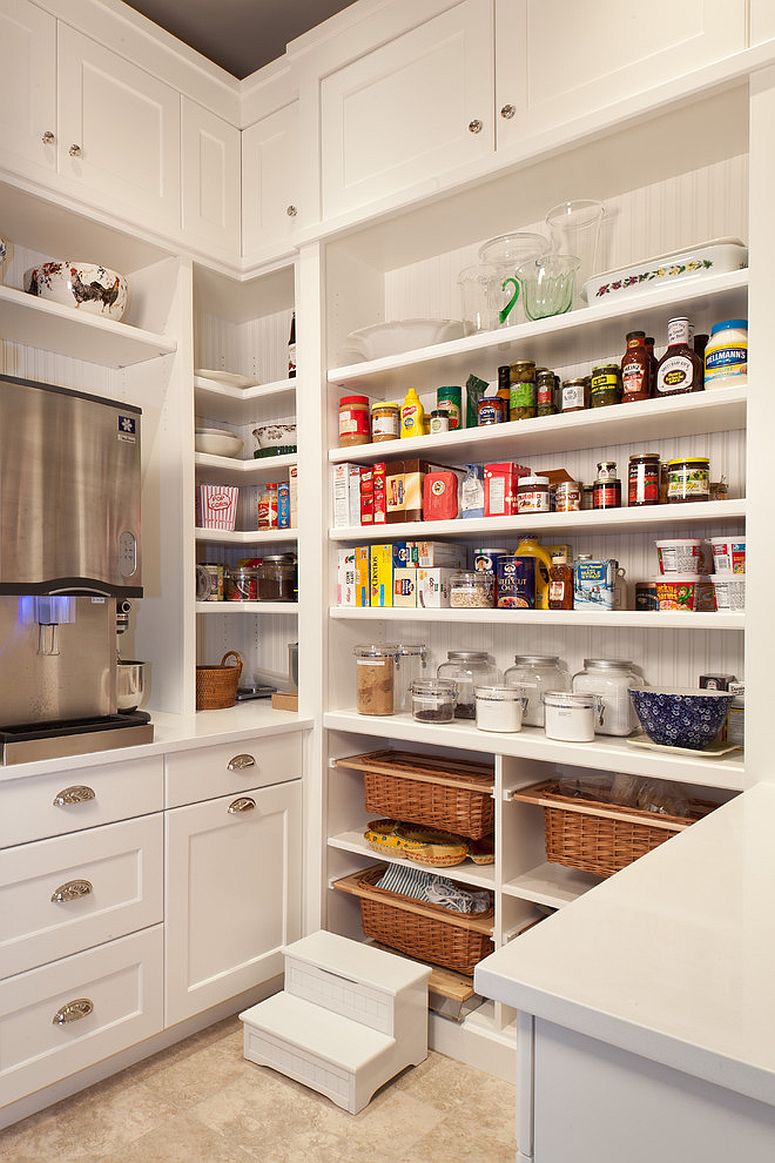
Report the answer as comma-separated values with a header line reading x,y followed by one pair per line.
x,y
635,368
653,363
292,349
680,369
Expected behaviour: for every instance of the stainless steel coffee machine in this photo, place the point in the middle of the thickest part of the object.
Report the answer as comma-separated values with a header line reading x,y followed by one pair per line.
x,y
69,550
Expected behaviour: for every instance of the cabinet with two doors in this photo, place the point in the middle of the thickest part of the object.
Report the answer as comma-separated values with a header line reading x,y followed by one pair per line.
x,y
136,894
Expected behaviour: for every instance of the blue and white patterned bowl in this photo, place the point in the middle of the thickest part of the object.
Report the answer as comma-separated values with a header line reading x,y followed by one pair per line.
x,y
680,718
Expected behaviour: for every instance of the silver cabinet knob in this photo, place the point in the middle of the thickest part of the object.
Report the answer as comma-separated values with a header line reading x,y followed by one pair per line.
x,y
79,1008
78,794
508,111
74,151
242,804
48,138
475,126
240,762
71,891
291,211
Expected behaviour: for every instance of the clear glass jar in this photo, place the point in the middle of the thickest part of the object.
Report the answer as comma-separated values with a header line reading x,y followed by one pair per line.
x,y
498,708
472,589
411,660
468,669
537,673
375,664
433,701
241,584
610,678
277,578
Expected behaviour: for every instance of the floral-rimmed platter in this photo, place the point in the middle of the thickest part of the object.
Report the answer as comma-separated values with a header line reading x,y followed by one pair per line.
x,y
718,256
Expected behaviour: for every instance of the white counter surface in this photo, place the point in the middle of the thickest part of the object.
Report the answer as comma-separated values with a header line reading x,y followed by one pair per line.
x,y
672,959
248,720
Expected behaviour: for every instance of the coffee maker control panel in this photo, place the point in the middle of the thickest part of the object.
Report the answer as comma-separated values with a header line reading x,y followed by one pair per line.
x,y
127,554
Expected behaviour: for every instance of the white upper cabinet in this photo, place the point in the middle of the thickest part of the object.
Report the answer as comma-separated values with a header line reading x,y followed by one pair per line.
x,y
119,132
415,108
210,160
27,86
272,201
558,61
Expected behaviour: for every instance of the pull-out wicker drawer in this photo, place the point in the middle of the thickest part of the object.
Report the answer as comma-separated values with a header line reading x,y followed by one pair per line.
x,y
69,893
230,768
66,1016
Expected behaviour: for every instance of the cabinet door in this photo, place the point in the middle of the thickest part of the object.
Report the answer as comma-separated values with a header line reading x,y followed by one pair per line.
x,y
409,111
233,895
27,85
210,170
558,61
272,203
119,138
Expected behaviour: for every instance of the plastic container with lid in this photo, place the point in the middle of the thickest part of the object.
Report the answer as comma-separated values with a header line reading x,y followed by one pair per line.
x,y
277,578
472,590
570,716
385,421
610,678
433,701
375,678
726,355
468,669
729,591
728,554
354,425
533,494
498,708
682,555
535,674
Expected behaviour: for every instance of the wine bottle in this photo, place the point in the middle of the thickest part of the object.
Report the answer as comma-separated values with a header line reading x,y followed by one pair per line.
x,y
292,349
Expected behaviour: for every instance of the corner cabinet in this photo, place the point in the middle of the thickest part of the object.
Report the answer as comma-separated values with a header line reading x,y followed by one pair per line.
x,y
28,85
210,162
409,111
272,194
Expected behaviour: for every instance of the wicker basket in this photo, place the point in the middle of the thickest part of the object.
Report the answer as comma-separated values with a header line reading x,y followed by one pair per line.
x,y
216,686
424,931
598,837
423,789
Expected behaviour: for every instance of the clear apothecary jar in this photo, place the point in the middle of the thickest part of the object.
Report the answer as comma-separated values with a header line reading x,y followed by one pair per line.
x,y
375,665
472,590
537,673
433,700
410,663
468,669
610,678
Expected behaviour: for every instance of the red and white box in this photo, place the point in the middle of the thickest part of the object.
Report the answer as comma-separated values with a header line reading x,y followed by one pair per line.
x,y
500,487
217,507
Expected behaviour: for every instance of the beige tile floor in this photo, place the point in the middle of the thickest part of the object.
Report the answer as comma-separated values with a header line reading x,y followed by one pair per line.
x,y
201,1102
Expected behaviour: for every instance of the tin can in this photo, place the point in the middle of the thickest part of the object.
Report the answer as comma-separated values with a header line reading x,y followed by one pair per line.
x,y
516,583
215,572
449,399
646,597
485,559
567,497
595,583
492,410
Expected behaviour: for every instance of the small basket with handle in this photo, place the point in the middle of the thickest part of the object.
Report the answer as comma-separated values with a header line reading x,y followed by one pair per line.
x,y
216,686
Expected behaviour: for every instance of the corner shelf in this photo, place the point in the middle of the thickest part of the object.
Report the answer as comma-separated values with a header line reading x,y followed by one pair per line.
x,y
239,405
247,607
228,469
242,537
551,884
480,875
68,331
604,619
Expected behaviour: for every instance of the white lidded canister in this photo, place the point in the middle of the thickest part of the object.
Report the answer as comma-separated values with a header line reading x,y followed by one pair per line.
x,y
570,716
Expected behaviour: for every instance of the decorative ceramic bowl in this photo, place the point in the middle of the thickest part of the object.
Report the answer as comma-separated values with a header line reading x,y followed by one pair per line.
x,y
91,288
217,442
275,435
681,718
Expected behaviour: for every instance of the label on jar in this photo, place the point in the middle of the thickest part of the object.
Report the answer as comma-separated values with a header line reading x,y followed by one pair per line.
x,y
453,413
384,426
522,395
572,396
726,360
545,394
535,501
352,422
633,378
643,484
675,374
557,591
490,413
690,484
607,495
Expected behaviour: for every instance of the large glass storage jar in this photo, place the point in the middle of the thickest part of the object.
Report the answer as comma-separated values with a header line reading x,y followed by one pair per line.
x,y
433,701
411,660
468,669
277,578
610,678
537,673
375,665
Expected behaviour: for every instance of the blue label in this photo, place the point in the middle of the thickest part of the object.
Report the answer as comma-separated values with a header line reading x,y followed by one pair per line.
x,y
726,357
127,424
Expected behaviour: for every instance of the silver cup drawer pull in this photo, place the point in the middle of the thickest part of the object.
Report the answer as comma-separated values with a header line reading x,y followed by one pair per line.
x,y
240,762
242,804
79,1008
77,794
73,890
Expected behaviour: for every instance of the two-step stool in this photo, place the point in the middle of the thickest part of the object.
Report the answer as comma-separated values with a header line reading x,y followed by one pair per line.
x,y
349,1019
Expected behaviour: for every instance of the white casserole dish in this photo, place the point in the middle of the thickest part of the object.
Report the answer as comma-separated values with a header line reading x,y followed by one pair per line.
x,y
716,257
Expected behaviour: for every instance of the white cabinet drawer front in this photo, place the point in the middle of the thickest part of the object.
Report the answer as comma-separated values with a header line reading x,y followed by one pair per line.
x,y
273,181
67,894
210,166
28,85
233,894
401,114
117,988
91,795
231,767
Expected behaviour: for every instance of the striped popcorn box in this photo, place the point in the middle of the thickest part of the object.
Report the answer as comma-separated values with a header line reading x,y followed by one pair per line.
x,y
217,507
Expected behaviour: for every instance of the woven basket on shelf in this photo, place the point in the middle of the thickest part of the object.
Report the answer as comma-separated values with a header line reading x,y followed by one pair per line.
x,y
216,686
424,931
599,837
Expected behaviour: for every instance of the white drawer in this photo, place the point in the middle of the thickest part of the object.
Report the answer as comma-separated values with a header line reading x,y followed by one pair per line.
x,y
207,772
63,895
115,791
119,985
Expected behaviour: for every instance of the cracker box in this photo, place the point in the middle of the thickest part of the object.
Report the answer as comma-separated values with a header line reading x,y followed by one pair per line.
x,y
381,575
347,495
433,587
346,578
430,554
380,495
500,487
405,588
362,577
367,496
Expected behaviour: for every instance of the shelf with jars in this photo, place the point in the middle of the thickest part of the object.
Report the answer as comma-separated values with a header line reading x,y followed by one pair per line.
x,y
602,619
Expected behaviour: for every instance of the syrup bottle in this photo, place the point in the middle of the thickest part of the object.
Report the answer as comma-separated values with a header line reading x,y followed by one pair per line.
x,y
560,582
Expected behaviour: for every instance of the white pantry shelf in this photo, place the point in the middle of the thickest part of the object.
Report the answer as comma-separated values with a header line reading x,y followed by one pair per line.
x,y
604,754
239,405
577,337
247,607
604,619
718,410
551,884
242,537
626,520
481,875
35,322
228,469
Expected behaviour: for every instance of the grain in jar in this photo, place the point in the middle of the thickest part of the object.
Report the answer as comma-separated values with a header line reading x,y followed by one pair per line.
x,y
472,590
375,678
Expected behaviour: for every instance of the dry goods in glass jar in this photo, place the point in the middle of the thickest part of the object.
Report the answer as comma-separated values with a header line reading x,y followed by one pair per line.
x,y
374,679
471,589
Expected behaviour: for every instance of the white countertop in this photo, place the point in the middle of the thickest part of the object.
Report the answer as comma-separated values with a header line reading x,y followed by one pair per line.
x,y
672,959
247,720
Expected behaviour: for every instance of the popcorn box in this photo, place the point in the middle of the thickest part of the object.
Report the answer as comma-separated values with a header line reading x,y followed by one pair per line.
x,y
217,507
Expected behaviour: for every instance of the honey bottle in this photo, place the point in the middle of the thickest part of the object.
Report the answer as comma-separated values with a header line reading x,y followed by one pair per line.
x,y
560,582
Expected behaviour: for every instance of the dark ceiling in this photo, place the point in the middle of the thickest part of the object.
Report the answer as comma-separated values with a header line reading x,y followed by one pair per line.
x,y
239,35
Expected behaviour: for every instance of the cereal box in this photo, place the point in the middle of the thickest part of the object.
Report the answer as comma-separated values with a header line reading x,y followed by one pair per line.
x,y
381,575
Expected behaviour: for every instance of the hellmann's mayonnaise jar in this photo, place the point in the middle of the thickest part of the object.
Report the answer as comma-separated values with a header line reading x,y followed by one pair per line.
x,y
726,356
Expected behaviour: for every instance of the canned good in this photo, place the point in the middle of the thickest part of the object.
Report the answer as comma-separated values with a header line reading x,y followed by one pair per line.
x,y
485,559
646,598
688,479
516,583
215,573
449,399
439,422
492,410
587,497
545,393
567,497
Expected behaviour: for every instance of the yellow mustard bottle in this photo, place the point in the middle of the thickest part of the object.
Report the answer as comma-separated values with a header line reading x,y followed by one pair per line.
x,y
531,547
412,415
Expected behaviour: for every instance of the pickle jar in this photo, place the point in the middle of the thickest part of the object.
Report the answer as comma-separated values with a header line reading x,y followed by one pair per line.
x,y
522,399
605,386
545,393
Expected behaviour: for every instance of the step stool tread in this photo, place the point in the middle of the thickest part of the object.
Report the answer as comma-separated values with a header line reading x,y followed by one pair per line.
x,y
357,962
335,1039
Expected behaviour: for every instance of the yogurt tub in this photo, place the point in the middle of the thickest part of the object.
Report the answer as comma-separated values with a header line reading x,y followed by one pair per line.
x,y
728,555
729,592
684,556
688,592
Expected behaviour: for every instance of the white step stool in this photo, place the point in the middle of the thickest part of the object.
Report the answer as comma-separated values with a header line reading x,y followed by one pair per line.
x,y
350,1019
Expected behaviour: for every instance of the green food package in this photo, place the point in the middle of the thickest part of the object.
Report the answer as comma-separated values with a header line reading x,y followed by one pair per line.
x,y
475,389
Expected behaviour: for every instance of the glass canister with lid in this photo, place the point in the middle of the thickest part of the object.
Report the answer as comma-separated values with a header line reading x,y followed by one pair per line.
x,y
375,665
277,578
433,700
410,662
537,673
610,678
468,669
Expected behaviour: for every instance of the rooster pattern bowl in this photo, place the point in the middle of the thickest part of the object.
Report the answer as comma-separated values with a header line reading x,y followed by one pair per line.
x,y
90,288
681,718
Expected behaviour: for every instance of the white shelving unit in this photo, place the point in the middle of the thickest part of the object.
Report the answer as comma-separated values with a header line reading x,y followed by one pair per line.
x,y
227,469
480,875
606,619
240,405
551,884
245,537
237,608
